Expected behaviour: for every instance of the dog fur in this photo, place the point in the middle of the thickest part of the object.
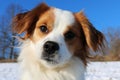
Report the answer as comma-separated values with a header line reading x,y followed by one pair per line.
x,y
73,33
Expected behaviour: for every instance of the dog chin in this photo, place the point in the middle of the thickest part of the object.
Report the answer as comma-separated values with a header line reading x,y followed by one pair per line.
x,y
52,64
49,64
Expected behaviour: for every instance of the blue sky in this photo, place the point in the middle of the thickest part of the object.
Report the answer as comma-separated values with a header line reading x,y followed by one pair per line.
x,y
102,13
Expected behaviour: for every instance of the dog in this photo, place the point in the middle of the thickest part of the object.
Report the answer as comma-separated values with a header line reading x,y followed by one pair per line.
x,y
56,43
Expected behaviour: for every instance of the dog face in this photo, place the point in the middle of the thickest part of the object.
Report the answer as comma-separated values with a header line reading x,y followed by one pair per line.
x,y
52,47
58,35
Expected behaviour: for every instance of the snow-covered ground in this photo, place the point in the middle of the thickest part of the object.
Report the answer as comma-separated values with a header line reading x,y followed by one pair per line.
x,y
103,71
95,71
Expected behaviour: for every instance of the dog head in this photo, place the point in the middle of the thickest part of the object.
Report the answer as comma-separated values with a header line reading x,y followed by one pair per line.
x,y
58,35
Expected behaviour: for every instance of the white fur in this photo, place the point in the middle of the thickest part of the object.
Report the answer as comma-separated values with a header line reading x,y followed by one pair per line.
x,y
32,69
68,67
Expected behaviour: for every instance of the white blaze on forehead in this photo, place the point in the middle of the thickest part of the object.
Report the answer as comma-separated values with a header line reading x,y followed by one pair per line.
x,y
63,19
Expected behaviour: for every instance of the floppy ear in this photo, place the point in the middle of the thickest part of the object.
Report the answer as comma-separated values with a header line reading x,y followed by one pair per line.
x,y
18,24
94,38
25,22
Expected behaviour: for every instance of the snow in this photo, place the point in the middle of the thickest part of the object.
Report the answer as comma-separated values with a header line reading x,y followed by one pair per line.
x,y
9,71
103,71
95,71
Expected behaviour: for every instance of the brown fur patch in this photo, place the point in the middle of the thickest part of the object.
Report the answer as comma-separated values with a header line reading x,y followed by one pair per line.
x,y
46,19
87,37
25,22
78,45
94,38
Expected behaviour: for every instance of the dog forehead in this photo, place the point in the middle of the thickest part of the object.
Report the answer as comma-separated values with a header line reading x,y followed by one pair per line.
x,y
63,19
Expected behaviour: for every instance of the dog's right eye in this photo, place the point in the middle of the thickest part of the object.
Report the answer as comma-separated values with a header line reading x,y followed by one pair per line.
x,y
43,28
69,35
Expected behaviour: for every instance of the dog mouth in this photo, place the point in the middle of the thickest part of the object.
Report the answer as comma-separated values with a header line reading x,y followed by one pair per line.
x,y
50,60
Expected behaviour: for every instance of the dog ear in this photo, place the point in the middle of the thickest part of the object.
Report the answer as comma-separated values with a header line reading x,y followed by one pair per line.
x,y
18,23
94,38
25,22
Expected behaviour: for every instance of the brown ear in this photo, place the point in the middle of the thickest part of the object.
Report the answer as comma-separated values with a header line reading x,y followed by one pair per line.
x,y
94,38
25,22
17,23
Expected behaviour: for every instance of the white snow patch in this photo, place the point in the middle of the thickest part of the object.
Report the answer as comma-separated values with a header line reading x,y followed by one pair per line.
x,y
95,71
103,71
9,71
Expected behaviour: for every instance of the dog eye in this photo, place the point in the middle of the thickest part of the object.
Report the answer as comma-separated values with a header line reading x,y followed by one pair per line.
x,y
43,28
69,35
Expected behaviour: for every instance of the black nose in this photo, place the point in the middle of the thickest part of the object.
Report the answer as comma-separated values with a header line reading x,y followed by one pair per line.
x,y
50,47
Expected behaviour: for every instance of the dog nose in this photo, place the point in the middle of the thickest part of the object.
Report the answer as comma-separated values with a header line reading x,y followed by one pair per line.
x,y
50,47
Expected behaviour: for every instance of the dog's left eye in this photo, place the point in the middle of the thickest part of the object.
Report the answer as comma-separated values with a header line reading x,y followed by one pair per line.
x,y
43,28
69,35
